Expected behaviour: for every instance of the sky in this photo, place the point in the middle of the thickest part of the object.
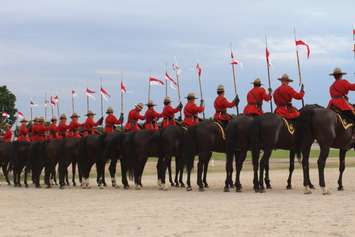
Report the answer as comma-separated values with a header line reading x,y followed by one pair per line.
x,y
51,47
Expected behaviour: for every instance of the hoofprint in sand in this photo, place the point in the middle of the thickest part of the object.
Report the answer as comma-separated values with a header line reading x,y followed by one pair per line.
x,y
176,212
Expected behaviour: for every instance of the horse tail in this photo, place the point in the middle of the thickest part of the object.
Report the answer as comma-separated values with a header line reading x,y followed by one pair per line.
x,y
303,128
189,147
131,160
255,134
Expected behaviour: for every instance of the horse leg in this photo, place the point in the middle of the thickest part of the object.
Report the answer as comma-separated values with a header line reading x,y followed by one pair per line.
x,y
342,154
47,176
188,178
159,165
124,174
124,169
229,171
73,166
199,172
305,168
205,168
324,152
267,162
6,174
255,160
112,170
180,170
291,169
163,168
177,170
141,172
169,171
239,166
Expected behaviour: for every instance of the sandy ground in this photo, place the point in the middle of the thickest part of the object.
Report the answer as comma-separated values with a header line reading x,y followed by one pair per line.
x,y
151,212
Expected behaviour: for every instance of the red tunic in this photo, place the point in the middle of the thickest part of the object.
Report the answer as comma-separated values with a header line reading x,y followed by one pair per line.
x,y
63,129
23,134
191,111
39,133
110,123
132,122
151,118
53,132
168,116
8,135
339,91
283,99
221,104
255,98
90,127
74,127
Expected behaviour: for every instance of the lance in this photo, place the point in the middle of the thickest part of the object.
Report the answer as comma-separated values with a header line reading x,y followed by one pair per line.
x,y
52,110
31,112
121,97
72,102
166,80
58,112
268,71
45,106
149,88
234,78
298,64
200,85
101,99
176,68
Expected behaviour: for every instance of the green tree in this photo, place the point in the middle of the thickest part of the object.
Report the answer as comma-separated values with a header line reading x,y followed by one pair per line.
x,y
7,104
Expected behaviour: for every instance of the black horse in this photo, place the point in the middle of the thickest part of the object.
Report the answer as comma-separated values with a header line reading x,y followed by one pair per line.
x,y
52,150
171,143
330,131
68,155
202,139
19,161
237,146
6,152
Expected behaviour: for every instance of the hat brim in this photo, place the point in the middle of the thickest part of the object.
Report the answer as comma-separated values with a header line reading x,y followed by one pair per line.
x,y
90,114
256,83
334,74
191,98
283,79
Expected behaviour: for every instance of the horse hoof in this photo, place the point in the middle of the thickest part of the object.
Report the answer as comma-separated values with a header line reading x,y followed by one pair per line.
x,y
311,186
101,187
340,188
126,187
182,185
289,186
48,186
138,187
268,187
201,189
238,189
262,190
307,190
26,185
74,184
206,185
325,191
226,189
188,189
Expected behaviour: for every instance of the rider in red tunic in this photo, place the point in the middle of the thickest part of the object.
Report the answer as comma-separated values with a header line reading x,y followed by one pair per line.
x,y
39,131
169,112
133,117
255,99
221,104
90,125
191,110
23,132
74,126
151,117
8,133
53,130
339,92
283,99
111,121
62,126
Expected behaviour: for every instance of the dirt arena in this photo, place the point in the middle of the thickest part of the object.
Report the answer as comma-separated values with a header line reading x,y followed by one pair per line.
x,y
151,212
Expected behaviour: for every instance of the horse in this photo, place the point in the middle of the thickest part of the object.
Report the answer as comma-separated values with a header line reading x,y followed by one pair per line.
x,y
6,152
269,132
37,160
330,131
171,143
142,145
68,155
237,146
91,152
202,139
19,161
52,149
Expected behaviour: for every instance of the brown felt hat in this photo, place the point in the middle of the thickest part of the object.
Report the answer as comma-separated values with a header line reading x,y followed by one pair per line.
x,y
285,77
150,103
337,71
109,110
220,88
74,115
63,116
139,106
90,113
191,96
257,81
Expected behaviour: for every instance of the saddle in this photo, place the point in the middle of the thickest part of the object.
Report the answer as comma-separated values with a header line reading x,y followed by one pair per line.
x,y
290,125
344,121
222,128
